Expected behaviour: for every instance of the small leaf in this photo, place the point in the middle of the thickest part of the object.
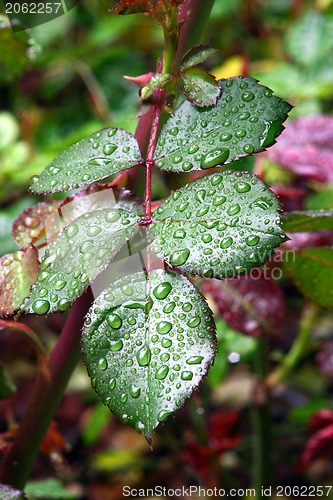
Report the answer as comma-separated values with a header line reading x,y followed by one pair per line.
x,y
252,304
147,344
199,87
29,225
220,225
78,255
197,55
306,148
310,220
8,493
18,271
101,154
156,81
50,488
312,271
246,120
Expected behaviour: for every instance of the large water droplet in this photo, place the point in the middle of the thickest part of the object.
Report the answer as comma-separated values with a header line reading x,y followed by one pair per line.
x,y
166,343
248,96
215,157
116,345
164,327
102,364
109,148
134,391
143,356
94,230
112,383
193,322
162,372
72,230
242,187
186,375
252,240
114,321
112,216
162,290
59,285
226,242
194,360
41,306
179,257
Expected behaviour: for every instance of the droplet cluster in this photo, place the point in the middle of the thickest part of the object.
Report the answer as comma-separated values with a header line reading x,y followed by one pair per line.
x,y
144,361
218,226
247,119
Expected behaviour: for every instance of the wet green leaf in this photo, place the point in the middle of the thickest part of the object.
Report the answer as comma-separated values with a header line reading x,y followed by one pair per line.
x,y
103,153
247,119
147,344
312,271
78,255
48,489
18,271
197,55
220,225
156,81
199,87
310,220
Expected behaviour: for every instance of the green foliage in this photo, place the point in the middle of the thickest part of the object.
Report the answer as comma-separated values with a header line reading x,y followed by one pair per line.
x,y
218,226
197,55
147,342
105,152
311,220
48,489
199,87
246,120
312,271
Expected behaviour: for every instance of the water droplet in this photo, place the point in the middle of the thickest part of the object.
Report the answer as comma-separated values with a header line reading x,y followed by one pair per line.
x,y
114,321
127,290
248,148
94,230
116,345
123,397
240,133
248,96
102,364
179,234
162,372
262,202
134,391
164,327
216,179
41,306
174,131
193,149
186,375
206,238
143,356
163,414
200,195
109,148
177,159
193,322
72,230
225,137
187,165
233,210
168,308
166,343
31,222
215,157
59,285
112,383
219,200
242,187
162,290
225,243
194,360
112,216
179,257
252,240
63,304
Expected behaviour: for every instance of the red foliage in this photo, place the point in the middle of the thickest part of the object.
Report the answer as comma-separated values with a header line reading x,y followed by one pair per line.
x,y
250,304
320,443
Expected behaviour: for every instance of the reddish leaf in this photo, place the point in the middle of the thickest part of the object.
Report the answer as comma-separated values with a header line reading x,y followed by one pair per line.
x,y
53,441
251,304
306,147
18,271
320,443
29,225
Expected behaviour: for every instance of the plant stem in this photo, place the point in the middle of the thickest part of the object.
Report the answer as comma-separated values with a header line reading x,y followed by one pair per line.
x,y
261,421
45,398
300,345
150,162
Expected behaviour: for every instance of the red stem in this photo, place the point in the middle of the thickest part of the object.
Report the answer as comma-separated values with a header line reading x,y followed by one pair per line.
x,y
150,162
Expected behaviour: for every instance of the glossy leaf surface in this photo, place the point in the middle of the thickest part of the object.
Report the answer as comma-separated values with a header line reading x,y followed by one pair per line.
x,y
78,255
103,153
18,271
311,220
312,271
199,87
219,226
197,55
246,120
147,345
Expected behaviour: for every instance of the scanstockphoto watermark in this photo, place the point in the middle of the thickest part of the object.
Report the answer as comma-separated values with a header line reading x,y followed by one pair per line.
x,y
193,491
25,14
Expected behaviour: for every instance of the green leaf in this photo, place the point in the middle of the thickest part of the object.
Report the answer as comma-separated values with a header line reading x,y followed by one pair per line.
x,y
156,81
220,225
103,153
310,220
78,255
199,87
197,55
310,39
48,489
147,343
312,271
18,271
246,120
8,493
